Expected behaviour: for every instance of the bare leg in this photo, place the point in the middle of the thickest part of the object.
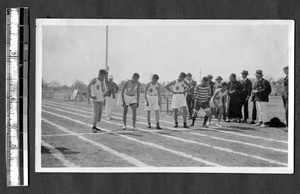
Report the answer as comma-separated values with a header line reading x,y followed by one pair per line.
x,y
125,115
157,116
175,115
184,113
133,107
220,114
149,116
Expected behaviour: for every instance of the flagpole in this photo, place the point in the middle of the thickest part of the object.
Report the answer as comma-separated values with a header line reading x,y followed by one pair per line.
x,y
106,56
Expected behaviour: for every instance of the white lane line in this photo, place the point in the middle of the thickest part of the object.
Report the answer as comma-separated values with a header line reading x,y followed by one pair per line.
x,y
190,141
58,155
211,129
102,133
129,159
198,134
178,153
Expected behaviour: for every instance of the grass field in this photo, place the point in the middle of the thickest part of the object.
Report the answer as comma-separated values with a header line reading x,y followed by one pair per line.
x,y
68,141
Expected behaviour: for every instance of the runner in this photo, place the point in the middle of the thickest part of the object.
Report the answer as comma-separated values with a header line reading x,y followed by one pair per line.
x,y
178,100
217,101
96,91
130,97
202,98
153,100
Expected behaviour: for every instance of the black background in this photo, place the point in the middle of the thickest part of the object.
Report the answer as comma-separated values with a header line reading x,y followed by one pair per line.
x,y
147,182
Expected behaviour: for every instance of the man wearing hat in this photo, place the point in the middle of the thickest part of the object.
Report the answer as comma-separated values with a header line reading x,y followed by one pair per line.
x,y
211,84
190,94
261,90
285,93
234,99
245,94
111,90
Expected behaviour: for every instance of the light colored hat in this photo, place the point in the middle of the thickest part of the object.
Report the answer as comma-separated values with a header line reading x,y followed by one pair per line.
x,y
111,76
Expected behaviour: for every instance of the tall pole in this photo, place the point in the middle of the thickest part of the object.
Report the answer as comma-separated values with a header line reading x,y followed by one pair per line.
x,y
106,54
200,75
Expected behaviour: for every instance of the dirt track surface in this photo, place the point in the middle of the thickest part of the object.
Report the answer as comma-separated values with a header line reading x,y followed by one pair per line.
x,y
69,141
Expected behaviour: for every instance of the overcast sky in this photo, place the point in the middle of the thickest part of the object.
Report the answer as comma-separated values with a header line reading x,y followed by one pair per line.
x,y
78,52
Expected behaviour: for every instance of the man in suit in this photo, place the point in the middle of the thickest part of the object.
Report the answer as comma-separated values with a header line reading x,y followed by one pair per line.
x,y
245,94
190,94
261,90
285,94
234,100
211,84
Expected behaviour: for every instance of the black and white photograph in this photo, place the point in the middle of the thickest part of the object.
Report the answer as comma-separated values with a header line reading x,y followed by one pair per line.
x,y
187,96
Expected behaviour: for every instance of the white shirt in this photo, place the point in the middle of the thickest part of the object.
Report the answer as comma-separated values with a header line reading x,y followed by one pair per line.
x,y
98,90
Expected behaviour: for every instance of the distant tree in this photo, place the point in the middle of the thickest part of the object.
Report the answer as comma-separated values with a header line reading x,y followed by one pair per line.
x,y
65,87
45,85
55,85
79,85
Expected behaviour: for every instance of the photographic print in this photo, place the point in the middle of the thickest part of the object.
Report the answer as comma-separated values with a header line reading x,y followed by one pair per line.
x,y
211,96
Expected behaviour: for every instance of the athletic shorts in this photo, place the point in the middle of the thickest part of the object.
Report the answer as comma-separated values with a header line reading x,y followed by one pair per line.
x,y
218,102
97,111
178,101
130,100
153,103
203,105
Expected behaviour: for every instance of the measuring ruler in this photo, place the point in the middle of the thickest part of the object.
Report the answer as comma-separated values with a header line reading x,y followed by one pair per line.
x,y
17,51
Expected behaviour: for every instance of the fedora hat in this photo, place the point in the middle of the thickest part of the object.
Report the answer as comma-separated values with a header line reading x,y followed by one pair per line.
x,y
245,72
259,72
209,76
219,78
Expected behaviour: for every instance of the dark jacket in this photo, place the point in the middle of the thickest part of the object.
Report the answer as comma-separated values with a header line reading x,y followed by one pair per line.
x,y
247,88
211,85
285,92
190,91
112,88
262,94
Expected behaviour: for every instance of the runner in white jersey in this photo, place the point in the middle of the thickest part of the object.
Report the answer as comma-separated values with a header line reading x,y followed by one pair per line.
x,y
178,100
130,97
97,92
217,101
153,100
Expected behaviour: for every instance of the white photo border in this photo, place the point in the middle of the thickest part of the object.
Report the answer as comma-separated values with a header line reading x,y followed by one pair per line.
x,y
116,22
